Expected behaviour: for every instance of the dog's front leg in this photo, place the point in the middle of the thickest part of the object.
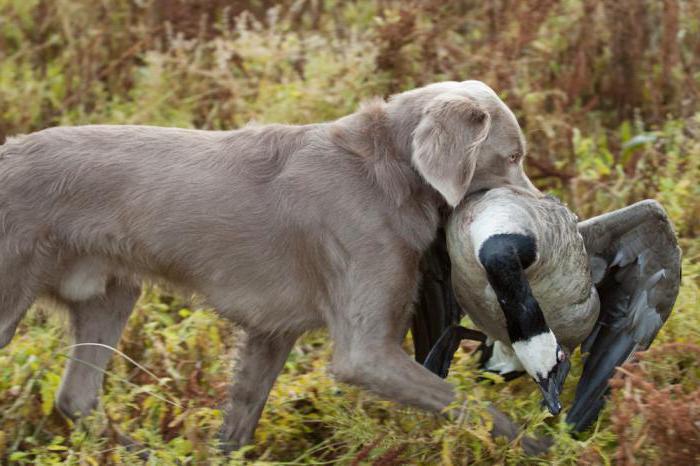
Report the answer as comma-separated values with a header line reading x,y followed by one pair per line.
x,y
260,360
368,353
379,364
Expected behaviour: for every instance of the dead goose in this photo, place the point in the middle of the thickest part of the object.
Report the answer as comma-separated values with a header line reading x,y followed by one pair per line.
x,y
533,279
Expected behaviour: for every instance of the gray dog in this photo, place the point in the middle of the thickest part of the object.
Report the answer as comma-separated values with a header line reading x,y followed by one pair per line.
x,y
282,229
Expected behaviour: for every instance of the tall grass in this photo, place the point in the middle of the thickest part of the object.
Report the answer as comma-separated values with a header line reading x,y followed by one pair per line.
x,y
606,90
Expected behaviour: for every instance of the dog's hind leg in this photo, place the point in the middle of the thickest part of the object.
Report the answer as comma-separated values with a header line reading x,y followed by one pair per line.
x,y
260,360
14,303
18,290
100,319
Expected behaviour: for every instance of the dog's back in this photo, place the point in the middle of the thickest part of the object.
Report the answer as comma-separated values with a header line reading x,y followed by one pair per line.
x,y
208,211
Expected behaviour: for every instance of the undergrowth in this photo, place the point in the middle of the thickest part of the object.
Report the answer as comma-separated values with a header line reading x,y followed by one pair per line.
x,y
606,92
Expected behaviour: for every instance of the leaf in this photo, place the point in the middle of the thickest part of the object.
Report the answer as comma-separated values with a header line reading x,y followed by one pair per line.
x,y
49,385
639,140
496,378
18,455
57,448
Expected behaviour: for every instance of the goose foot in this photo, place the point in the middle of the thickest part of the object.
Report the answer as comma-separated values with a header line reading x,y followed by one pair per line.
x,y
440,357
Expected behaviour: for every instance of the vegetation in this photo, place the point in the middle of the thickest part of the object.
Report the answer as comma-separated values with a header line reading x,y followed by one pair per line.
x,y
606,90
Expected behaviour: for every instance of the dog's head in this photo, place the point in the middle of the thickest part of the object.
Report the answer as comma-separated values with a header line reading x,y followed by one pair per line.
x,y
463,138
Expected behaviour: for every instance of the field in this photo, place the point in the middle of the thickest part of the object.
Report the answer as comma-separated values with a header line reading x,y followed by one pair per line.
x,y
607,92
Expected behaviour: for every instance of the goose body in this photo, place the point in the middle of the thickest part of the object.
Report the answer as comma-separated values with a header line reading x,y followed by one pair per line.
x,y
532,279
559,277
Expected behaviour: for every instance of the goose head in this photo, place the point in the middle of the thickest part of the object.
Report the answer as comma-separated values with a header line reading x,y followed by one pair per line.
x,y
546,362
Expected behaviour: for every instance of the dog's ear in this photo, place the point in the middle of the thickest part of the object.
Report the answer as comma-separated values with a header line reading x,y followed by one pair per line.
x,y
446,142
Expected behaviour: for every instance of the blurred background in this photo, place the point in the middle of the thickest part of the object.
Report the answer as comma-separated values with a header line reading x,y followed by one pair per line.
x,y
606,91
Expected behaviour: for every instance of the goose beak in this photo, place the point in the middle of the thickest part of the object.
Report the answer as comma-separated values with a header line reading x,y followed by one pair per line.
x,y
551,385
550,391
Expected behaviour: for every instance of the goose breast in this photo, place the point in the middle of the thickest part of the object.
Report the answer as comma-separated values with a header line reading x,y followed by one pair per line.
x,y
560,276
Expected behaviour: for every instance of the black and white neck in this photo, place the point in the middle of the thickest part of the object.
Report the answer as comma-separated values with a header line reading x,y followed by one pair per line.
x,y
505,257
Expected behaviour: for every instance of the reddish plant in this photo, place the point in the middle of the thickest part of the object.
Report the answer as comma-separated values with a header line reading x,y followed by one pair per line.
x,y
655,420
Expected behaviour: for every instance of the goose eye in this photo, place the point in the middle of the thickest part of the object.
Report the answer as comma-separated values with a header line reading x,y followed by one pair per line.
x,y
561,356
514,157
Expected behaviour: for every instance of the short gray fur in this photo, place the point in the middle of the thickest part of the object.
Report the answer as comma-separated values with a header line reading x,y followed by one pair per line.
x,y
281,228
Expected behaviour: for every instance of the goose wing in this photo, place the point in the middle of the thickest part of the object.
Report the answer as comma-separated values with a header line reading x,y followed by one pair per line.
x,y
435,329
636,267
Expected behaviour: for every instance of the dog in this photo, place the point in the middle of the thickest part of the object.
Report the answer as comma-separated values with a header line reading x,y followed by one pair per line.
x,y
280,228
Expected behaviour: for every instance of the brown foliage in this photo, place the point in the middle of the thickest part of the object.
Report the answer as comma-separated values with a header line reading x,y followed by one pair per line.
x,y
392,36
196,18
626,21
648,412
392,456
363,454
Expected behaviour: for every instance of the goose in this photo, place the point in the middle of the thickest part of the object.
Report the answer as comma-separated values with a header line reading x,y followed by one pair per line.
x,y
538,284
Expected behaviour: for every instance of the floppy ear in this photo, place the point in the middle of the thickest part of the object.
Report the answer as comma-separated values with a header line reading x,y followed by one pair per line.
x,y
446,142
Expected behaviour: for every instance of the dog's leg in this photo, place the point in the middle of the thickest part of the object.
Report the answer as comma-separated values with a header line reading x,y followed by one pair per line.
x,y
367,329
380,365
19,278
96,320
260,360
368,353
15,300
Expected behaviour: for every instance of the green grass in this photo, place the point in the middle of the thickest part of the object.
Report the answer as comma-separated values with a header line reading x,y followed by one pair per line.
x,y
606,125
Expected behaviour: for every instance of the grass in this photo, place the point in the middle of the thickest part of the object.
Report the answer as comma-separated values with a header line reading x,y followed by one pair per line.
x,y
605,90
